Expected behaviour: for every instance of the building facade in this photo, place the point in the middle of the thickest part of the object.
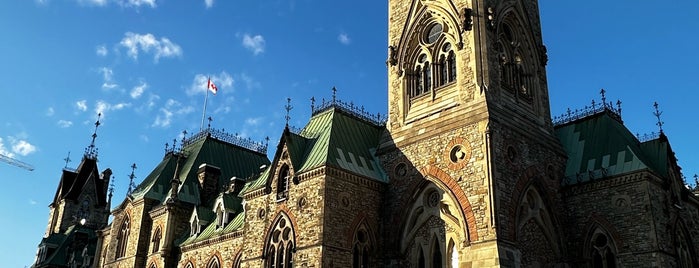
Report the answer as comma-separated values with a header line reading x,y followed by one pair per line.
x,y
468,170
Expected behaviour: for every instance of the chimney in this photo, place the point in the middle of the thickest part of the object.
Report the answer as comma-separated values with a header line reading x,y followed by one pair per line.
x,y
236,185
208,181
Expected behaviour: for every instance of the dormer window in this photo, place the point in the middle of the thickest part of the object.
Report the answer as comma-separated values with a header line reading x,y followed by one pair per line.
x,y
220,221
195,227
283,183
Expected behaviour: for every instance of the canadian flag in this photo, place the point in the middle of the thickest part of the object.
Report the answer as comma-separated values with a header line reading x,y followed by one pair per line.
x,y
211,87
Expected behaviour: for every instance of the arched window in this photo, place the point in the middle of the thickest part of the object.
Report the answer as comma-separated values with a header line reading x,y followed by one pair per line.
x,y
84,210
451,67
453,254
283,182
280,244
426,78
443,74
517,63
213,263
123,237
683,248
236,263
602,251
421,259
189,265
156,240
360,250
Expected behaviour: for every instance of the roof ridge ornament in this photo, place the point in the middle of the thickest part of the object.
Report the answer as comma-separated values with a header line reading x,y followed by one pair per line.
x,y
288,108
132,185
91,150
349,107
657,114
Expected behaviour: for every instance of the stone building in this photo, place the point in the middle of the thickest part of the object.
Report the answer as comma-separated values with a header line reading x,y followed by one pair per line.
x,y
80,208
468,170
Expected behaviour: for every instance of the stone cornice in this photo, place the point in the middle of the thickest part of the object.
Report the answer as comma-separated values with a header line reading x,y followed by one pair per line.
x,y
611,182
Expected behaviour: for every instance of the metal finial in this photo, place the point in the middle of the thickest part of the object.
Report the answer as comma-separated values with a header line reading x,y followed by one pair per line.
x,y
288,108
132,185
593,104
696,182
174,144
657,114
91,151
618,106
209,125
184,138
604,98
111,188
67,159
166,146
334,94
313,104
267,142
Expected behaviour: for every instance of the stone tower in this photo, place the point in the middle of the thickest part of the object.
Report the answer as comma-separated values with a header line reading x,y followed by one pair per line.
x,y
470,150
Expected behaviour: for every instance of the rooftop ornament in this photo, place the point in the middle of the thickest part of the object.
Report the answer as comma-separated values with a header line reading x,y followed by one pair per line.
x,y
357,111
605,107
91,150
221,135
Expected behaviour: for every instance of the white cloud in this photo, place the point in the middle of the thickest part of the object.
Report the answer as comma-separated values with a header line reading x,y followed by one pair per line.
x,y
137,91
22,147
138,3
256,43
209,3
344,39
102,106
93,2
82,105
50,111
64,123
148,43
222,81
171,108
32,202
253,121
42,2
249,81
101,50
4,151
107,76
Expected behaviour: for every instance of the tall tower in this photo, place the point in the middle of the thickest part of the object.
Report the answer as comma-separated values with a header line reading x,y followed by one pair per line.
x,y
471,153
79,208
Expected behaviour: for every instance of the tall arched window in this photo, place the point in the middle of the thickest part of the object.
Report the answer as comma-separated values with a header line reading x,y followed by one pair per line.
x,y
283,182
451,67
214,263
517,61
189,265
280,244
156,239
123,237
602,251
360,250
683,248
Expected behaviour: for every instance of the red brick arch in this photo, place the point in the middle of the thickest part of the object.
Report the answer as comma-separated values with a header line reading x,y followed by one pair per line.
x,y
432,171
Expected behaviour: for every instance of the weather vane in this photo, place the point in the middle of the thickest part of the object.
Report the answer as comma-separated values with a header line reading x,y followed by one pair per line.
x,y
67,159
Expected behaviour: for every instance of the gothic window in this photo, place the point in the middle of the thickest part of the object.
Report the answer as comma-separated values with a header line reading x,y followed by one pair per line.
x,y
516,63
602,251
156,240
446,69
421,259
453,254
84,210
280,245
283,183
189,265
360,250
236,263
123,237
451,67
214,263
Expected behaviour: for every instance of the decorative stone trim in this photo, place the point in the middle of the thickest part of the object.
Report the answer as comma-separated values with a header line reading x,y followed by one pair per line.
x,y
453,186
576,189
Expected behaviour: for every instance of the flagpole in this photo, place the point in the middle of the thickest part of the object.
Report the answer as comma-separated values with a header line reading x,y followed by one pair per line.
x,y
203,115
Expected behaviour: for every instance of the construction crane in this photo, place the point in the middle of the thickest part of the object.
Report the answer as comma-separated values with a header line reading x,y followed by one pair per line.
x,y
15,162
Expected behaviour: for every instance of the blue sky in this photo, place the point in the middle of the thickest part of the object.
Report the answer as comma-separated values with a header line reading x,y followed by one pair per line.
x,y
143,64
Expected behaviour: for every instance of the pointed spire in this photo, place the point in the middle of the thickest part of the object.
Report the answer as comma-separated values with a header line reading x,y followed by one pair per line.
x,y
111,191
132,185
313,104
288,108
657,114
91,151
67,160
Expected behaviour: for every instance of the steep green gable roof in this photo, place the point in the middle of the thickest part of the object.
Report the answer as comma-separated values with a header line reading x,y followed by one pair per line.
x,y
233,160
600,146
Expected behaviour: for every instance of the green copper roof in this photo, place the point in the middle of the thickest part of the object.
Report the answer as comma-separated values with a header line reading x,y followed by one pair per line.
x,y
334,138
341,140
599,146
63,245
233,161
